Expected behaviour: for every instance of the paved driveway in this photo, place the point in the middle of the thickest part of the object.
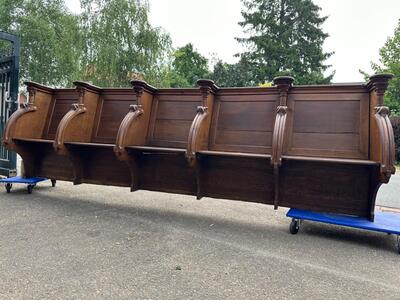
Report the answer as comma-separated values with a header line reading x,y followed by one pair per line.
x,y
389,194
89,242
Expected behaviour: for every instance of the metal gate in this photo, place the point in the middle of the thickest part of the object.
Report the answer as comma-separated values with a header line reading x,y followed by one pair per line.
x,y
9,69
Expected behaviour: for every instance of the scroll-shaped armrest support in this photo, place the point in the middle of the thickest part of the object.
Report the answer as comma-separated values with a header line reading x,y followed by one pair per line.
x,y
130,133
197,134
12,122
278,136
77,124
387,145
29,120
62,131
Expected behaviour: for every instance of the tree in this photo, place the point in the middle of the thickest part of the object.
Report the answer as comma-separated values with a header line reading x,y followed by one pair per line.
x,y
228,75
49,39
120,44
284,37
189,66
390,63
108,43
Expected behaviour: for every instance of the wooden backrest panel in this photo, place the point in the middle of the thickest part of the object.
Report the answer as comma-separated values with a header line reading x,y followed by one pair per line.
x,y
243,120
32,125
61,103
328,121
172,115
113,107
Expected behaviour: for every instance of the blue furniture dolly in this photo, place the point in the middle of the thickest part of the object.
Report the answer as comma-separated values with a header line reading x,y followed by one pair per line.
x,y
30,182
386,222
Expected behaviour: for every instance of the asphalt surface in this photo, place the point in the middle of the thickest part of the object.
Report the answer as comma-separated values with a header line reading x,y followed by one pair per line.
x,y
96,242
389,194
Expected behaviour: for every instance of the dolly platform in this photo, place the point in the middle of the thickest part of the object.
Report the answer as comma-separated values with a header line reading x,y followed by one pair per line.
x,y
30,182
386,222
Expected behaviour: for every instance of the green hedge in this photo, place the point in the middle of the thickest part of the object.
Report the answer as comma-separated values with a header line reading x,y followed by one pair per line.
x,y
396,129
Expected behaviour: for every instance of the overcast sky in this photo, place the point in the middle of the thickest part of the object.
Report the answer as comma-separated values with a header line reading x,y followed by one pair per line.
x,y
356,28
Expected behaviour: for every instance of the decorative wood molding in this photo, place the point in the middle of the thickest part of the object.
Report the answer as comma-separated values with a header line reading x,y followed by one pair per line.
x,y
283,83
87,86
134,114
277,148
206,87
199,130
133,129
81,90
387,143
31,85
77,109
127,127
278,135
139,86
196,134
379,84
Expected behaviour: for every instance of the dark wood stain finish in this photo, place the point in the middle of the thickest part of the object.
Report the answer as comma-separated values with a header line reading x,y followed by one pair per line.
x,y
326,148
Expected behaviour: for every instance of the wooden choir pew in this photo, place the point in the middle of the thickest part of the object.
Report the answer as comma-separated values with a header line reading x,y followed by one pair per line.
x,y
31,130
325,148
87,134
153,137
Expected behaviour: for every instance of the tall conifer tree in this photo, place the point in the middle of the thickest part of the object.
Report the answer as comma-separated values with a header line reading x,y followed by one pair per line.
x,y
284,36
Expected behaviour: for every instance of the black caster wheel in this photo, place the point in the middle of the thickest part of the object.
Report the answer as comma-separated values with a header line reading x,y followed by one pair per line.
x,y
8,187
53,182
294,226
30,188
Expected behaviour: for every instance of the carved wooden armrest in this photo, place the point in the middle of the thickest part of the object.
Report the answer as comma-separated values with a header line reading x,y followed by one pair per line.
x,y
197,134
76,110
278,135
13,121
125,129
387,145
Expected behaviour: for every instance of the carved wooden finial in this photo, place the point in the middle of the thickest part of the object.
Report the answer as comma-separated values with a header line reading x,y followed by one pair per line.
x,y
206,87
379,83
87,85
283,83
139,86
82,87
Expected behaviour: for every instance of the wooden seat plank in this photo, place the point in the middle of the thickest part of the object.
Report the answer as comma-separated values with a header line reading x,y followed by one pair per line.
x,y
33,140
234,154
332,160
156,149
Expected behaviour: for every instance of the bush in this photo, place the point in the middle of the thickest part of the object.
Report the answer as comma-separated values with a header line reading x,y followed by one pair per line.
x,y
396,129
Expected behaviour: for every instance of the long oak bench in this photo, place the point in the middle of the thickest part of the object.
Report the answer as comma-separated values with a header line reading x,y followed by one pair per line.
x,y
325,147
